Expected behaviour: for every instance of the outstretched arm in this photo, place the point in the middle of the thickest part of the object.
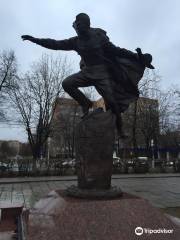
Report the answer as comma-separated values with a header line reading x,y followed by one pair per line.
x,y
67,44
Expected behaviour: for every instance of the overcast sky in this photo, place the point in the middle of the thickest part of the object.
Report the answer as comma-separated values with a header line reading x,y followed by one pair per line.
x,y
152,25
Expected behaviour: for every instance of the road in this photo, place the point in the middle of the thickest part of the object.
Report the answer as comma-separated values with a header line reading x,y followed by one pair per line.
x,y
162,190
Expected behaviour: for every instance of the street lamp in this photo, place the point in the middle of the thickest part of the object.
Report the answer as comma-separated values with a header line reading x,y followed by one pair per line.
x,y
152,147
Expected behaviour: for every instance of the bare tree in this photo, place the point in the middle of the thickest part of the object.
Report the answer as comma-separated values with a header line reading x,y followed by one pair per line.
x,y
8,71
177,106
150,114
148,121
133,116
156,115
64,127
35,99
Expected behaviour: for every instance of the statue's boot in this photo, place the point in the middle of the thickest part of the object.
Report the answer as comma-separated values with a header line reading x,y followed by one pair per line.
x,y
85,109
119,126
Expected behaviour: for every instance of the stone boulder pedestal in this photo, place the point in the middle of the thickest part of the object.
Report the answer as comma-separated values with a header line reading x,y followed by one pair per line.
x,y
94,145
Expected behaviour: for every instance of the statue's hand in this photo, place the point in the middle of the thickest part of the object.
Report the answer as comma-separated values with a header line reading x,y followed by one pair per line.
x,y
26,37
139,52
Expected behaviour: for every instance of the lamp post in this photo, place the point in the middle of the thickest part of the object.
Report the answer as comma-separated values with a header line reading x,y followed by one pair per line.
x,y
48,149
152,147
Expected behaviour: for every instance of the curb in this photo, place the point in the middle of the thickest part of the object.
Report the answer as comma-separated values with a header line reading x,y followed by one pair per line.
x,y
9,181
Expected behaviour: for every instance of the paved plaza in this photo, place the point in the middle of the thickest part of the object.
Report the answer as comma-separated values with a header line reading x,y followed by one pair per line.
x,y
162,190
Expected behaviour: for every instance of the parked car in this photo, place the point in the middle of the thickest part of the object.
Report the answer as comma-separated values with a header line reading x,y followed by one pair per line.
x,y
118,165
69,163
116,161
169,163
69,166
159,163
130,163
141,165
3,167
169,166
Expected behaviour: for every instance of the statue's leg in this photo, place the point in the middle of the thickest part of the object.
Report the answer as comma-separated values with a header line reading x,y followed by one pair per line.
x,y
105,89
71,85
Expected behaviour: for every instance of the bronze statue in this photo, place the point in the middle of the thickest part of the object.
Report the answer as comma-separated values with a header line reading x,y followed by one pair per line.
x,y
114,71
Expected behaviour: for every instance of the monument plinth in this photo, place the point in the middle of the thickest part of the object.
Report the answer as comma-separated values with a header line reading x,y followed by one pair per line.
x,y
60,217
94,141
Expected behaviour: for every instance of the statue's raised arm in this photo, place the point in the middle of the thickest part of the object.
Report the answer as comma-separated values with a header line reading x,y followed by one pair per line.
x,y
67,44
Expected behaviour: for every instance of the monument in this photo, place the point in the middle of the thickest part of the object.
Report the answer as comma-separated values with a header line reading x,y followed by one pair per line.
x,y
100,210
115,73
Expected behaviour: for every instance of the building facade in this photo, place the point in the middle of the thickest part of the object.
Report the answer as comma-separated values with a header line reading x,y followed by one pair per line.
x,y
140,123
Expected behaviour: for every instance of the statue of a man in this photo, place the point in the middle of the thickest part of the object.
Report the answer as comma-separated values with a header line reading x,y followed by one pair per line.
x,y
113,71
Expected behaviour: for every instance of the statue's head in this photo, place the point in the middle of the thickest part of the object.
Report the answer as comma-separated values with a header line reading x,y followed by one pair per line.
x,y
82,23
